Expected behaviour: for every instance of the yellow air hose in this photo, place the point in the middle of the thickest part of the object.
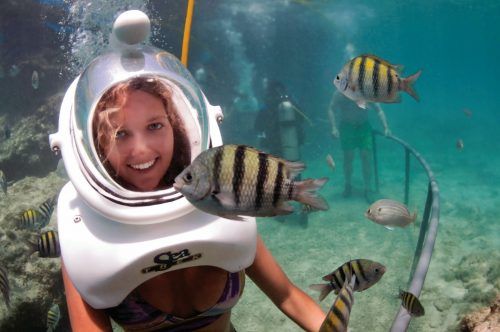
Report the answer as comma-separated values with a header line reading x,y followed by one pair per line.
x,y
187,32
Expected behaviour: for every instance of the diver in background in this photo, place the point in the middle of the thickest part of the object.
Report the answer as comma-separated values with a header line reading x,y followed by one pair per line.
x,y
279,124
355,132
132,248
280,131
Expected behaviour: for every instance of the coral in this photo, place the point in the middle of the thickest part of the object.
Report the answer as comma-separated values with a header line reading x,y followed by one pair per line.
x,y
35,283
483,320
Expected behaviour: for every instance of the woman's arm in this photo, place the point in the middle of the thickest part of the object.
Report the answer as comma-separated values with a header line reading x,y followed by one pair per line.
x,y
82,316
297,305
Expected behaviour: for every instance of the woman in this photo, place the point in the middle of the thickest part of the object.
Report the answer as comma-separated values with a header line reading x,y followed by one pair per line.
x,y
142,143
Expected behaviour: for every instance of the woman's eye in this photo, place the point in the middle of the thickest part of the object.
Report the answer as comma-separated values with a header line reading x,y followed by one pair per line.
x,y
120,134
156,126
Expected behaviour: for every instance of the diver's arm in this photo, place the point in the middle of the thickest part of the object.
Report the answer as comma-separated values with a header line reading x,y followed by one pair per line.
x,y
270,278
331,116
383,120
82,316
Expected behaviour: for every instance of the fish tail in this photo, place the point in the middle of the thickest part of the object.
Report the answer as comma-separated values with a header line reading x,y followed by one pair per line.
x,y
306,193
323,289
407,85
293,168
414,216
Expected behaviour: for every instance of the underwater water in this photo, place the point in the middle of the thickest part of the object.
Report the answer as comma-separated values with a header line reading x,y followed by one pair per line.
x,y
238,46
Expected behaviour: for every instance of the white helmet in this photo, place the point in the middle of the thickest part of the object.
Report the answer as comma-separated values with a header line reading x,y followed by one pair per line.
x,y
130,236
75,139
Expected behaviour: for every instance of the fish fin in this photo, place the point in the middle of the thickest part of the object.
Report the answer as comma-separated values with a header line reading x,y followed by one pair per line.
x,y
397,68
414,216
225,199
283,208
361,104
407,85
389,228
323,289
293,168
233,216
306,193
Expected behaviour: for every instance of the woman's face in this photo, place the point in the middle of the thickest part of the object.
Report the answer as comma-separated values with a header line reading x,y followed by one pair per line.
x,y
142,149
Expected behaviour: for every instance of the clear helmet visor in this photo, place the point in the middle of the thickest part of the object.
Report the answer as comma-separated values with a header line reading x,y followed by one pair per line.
x,y
106,72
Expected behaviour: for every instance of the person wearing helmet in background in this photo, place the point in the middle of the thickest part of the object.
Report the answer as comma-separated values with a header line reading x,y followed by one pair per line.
x,y
279,125
133,249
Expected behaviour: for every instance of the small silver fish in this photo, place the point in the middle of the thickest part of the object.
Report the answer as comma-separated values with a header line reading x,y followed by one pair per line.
x,y
53,316
389,214
330,161
367,273
236,180
368,78
459,144
467,112
411,303
35,82
4,286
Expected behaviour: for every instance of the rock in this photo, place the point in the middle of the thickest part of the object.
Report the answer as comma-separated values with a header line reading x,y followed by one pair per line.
x,y
483,320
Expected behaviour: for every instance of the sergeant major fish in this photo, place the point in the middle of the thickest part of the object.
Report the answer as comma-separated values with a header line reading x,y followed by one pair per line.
x,y
411,303
32,219
337,318
390,214
236,180
4,286
367,274
368,78
53,316
3,182
47,245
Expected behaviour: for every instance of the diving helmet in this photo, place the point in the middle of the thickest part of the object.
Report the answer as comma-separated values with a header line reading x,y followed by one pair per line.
x,y
128,59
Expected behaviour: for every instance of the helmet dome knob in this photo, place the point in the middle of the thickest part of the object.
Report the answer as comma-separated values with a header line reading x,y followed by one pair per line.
x,y
132,27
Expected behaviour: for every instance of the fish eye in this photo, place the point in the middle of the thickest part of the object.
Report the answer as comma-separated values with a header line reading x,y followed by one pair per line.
x,y
369,211
188,177
337,78
379,209
377,270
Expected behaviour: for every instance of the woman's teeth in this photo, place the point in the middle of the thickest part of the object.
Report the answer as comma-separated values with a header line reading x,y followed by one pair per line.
x,y
144,165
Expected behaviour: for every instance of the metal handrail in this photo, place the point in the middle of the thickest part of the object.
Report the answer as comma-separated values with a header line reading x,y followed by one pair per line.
x,y
428,228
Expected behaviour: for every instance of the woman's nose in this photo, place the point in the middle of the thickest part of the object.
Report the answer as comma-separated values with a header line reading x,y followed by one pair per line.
x,y
140,145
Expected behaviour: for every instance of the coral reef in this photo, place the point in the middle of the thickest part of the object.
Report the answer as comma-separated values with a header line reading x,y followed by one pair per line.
x,y
483,320
27,151
35,283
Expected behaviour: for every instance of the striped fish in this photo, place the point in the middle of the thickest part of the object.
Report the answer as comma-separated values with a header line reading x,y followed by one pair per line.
x,y
32,219
4,286
53,316
337,317
367,274
411,303
47,207
3,182
48,244
390,213
368,78
236,180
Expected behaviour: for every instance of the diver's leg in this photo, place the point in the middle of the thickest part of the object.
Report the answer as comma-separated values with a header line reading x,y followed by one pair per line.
x,y
366,164
348,159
